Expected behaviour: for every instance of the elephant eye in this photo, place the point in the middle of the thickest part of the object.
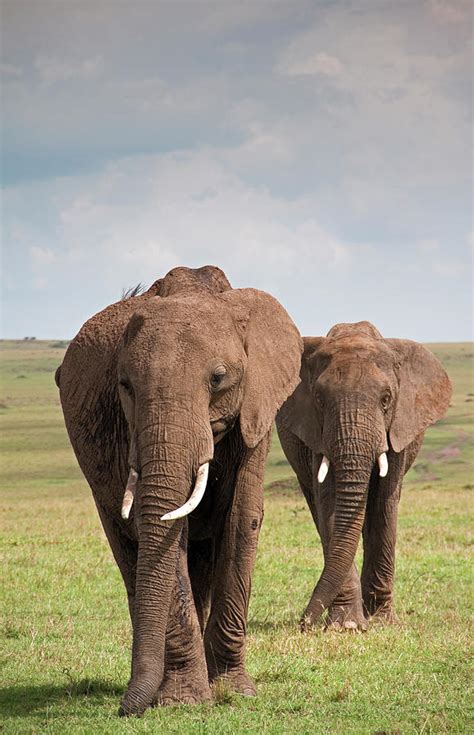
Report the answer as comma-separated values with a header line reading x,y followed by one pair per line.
x,y
125,384
386,400
319,400
217,377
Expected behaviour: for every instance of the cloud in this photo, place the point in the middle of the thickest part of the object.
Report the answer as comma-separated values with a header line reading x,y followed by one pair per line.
x,y
186,205
139,217
10,70
428,246
320,153
43,256
52,70
451,12
300,64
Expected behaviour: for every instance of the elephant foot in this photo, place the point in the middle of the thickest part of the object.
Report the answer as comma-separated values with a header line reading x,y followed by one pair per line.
x,y
381,610
237,680
183,686
346,618
386,615
312,617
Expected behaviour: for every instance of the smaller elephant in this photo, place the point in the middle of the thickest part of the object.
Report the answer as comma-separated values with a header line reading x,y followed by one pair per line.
x,y
351,430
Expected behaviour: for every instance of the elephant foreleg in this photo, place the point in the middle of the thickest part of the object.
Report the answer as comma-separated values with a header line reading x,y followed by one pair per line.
x,y
346,612
185,679
380,534
235,558
124,549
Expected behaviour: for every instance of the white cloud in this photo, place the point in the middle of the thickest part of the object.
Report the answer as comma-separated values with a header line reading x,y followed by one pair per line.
x,y
428,246
302,64
52,70
10,70
454,11
139,217
43,256
40,284
295,138
186,207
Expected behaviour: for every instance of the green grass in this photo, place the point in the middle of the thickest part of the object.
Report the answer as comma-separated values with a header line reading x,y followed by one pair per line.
x,y
65,634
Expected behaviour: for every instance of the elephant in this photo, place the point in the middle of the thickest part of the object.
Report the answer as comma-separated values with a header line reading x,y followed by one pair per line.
x,y
351,430
169,398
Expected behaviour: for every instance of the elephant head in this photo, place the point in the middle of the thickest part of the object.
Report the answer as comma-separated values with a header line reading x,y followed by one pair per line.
x,y
190,367
360,395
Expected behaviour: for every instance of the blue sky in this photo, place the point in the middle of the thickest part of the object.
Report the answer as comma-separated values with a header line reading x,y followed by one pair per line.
x,y
317,150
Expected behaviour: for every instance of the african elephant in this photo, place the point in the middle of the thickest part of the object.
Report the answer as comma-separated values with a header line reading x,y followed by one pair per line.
x,y
176,389
351,430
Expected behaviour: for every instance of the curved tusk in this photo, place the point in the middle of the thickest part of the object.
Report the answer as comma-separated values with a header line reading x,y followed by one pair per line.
x,y
195,498
383,465
129,493
323,469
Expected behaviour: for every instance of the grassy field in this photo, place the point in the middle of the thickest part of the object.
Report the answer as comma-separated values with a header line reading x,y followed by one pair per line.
x,y
65,633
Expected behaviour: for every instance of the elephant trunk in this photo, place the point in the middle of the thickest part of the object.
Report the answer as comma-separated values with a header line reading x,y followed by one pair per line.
x,y
357,442
169,456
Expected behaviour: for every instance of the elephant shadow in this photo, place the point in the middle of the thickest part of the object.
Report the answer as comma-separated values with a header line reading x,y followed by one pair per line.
x,y
27,701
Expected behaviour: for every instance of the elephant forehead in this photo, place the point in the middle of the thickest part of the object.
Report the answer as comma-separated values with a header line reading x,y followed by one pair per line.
x,y
359,347
352,371
192,314
190,329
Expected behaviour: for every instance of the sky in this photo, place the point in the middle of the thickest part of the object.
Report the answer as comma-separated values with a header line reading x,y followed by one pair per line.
x,y
317,150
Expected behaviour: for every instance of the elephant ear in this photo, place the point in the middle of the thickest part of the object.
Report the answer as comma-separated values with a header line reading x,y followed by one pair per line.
x,y
424,392
298,414
273,346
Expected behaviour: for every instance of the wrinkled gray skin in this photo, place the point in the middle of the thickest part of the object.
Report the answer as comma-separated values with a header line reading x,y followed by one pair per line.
x,y
141,386
360,395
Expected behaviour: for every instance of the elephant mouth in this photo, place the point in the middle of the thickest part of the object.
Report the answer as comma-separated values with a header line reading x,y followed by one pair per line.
x,y
221,426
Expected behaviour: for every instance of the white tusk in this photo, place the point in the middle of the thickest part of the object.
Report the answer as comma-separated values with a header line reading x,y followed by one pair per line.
x,y
195,498
323,469
383,465
129,493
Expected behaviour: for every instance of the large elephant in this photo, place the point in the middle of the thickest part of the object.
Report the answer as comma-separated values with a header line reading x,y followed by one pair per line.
x,y
351,430
164,393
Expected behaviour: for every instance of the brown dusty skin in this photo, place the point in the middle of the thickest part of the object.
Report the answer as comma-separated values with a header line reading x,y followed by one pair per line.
x,y
360,395
189,371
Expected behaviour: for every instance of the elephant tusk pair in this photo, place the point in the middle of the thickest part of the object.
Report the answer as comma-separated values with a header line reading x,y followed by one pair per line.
x,y
184,510
324,467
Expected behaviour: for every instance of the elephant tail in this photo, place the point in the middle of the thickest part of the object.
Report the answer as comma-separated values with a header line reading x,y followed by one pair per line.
x,y
57,376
